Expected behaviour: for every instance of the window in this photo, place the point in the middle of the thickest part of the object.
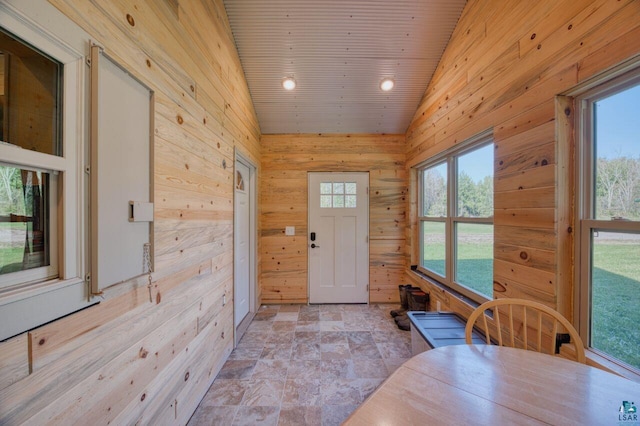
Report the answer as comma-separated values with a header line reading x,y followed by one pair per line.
x,y
30,114
239,181
42,184
25,231
456,218
338,195
608,151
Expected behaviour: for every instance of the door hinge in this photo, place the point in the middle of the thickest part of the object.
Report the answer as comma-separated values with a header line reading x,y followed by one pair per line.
x,y
367,238
367,287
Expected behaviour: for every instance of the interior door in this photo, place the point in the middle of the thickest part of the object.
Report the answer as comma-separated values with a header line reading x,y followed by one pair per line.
x,y
242,244
338,238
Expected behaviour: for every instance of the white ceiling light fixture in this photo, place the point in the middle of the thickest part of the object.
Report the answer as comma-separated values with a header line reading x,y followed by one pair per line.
x,y
387,84
289,83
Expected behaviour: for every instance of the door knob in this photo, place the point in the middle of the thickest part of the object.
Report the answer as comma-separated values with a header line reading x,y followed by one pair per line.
x,y
313,245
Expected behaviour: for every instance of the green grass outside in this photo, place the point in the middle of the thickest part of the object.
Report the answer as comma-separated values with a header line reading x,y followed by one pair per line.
x,y
11,252
11,260
615,293
616,301
474,267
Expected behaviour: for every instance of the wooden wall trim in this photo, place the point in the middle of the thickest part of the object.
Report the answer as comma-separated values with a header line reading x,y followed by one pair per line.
x,y
565,137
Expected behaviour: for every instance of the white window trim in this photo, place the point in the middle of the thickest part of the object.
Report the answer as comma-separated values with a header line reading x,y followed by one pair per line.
x,y
450,221
44,27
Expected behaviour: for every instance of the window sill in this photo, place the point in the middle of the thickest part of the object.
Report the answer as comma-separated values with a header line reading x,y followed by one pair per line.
x,y
28,307
596,360
445,288
17,293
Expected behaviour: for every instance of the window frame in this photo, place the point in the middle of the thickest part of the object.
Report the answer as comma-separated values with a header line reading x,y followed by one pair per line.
x,y
450,158
27,304
615,81
344,194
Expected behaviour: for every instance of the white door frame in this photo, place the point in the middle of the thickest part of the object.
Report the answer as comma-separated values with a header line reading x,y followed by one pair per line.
x,y
239,329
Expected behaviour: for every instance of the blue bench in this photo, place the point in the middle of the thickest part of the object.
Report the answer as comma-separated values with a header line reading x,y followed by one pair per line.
x,y
434,329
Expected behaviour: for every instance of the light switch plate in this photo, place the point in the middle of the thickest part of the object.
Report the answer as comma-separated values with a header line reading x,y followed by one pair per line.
x,y
290,230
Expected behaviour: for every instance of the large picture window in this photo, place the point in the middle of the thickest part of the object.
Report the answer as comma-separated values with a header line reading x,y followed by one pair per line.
x,y
456,218
609,216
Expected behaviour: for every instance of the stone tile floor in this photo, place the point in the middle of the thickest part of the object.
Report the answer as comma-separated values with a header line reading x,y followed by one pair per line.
x,y
305,365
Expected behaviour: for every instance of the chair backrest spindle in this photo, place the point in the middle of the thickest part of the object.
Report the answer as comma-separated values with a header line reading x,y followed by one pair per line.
x,y
486,330
513,344
554,333
497,315
524,326
539,329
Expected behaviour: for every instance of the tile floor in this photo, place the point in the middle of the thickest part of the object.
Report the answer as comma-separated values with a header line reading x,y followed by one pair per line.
x,y
305,365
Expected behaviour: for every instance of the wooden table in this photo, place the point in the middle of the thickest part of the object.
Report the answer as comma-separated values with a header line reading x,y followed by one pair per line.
x,y
493,385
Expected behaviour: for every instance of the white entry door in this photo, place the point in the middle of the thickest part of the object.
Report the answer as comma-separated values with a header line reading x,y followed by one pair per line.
x,y
338,238
242,243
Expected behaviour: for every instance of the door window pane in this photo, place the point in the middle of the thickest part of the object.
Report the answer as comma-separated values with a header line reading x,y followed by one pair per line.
x,y
29,97
434,191
332,195
24,219
325,188
474,257
475,183
350,201
350,188
239,181
433,237
615,292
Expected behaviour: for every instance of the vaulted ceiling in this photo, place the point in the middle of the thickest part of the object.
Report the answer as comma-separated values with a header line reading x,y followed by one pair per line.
x,y
338,51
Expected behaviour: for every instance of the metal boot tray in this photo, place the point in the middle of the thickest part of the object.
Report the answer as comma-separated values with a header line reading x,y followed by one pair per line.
x,y
434,329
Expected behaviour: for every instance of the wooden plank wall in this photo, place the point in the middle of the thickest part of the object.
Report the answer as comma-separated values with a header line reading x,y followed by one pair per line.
x,y
286,159
503,68
127,360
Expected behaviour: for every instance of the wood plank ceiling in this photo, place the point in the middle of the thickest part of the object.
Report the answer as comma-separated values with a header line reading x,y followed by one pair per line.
x,y
338,51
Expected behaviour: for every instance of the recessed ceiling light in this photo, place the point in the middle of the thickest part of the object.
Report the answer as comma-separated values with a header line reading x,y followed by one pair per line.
x,y
387,84
289,83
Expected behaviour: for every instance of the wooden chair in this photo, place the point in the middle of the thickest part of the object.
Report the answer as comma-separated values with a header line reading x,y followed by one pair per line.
x,y
508,335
